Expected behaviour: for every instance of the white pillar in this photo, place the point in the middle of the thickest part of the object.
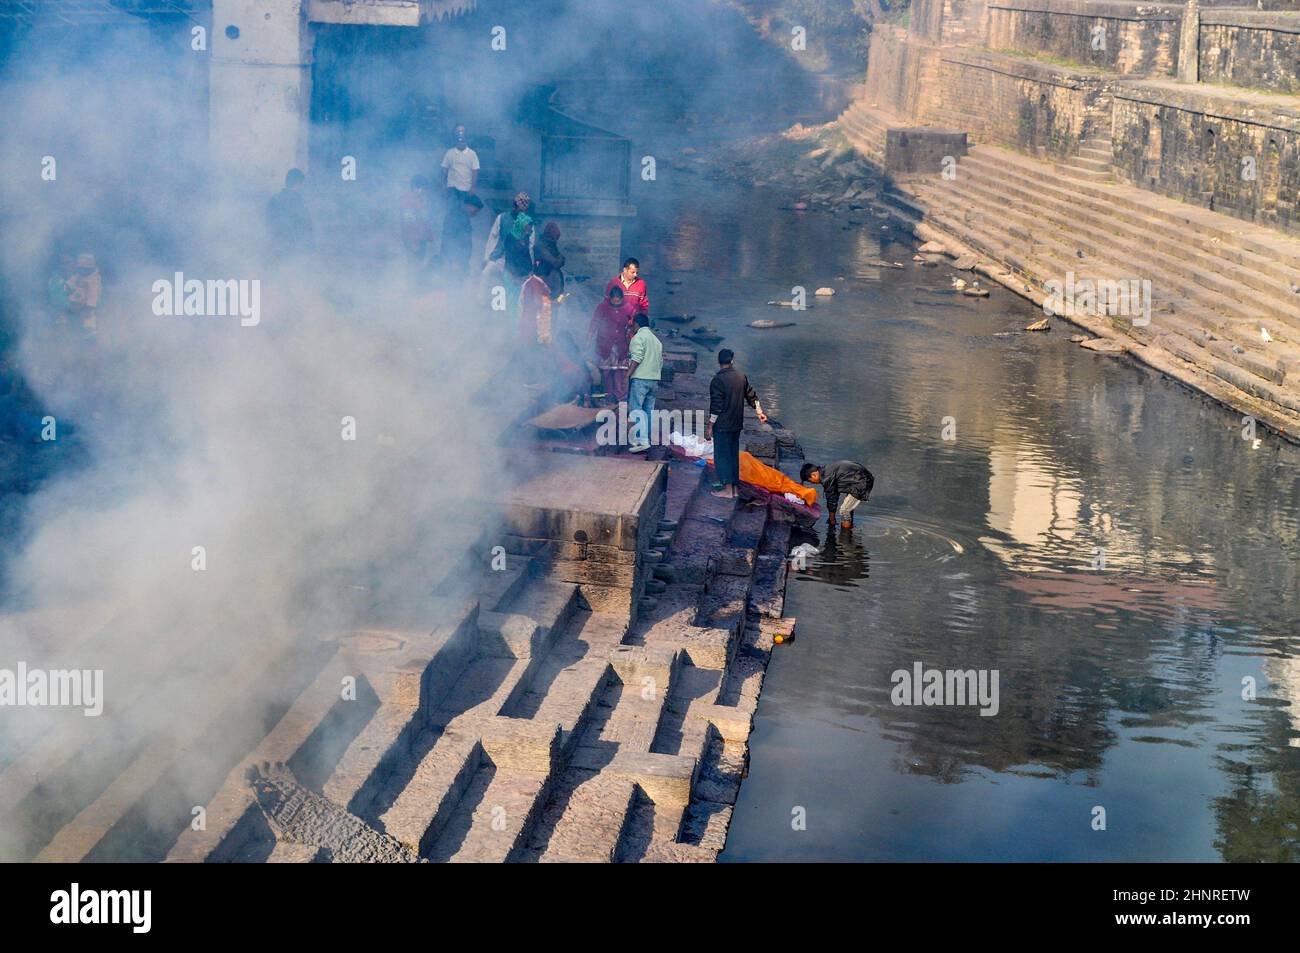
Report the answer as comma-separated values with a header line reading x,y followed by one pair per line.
x,y
259,90
1189,43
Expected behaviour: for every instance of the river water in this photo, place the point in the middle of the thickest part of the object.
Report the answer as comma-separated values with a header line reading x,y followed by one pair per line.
x,y
1097,535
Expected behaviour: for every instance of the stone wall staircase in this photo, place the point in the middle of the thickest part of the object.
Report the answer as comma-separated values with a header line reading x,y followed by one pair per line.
x,y
1218,285
1092,162
865,128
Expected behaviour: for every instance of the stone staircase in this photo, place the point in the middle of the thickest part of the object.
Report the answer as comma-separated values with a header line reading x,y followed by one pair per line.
x,y
1092,162
865,128
505,717
1218,285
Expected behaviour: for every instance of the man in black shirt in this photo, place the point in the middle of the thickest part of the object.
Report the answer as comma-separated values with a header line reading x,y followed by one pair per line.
x,y
457,233
288,220
845,484
729,392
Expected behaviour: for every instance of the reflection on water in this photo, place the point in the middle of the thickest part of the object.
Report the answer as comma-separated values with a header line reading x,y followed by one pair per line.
x,y
1098,535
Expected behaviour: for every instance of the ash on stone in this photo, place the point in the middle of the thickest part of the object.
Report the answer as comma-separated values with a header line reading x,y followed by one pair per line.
x,y
299,816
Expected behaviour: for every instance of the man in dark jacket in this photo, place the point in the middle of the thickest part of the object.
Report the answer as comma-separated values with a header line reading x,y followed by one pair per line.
x,y
729,392
550,260
845,485
457,235
287,218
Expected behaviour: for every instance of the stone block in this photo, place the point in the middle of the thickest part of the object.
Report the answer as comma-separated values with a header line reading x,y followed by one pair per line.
x,y
518,744
921,150
508,635
665,778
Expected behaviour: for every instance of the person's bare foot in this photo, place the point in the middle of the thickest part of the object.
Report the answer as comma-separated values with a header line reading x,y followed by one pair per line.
x,y
727,494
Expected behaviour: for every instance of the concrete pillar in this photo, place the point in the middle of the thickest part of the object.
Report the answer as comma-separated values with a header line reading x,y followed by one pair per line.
x,y
259,90
1189,43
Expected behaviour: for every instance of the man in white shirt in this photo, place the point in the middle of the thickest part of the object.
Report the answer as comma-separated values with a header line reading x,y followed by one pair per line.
x,y
460,168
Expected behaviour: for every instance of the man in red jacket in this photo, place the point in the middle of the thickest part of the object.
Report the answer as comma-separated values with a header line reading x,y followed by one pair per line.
x,y
633,287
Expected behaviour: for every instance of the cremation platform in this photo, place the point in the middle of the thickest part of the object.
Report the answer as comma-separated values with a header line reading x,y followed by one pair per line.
x,y
586,520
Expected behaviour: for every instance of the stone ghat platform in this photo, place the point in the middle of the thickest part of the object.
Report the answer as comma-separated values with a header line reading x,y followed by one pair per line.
x,y
589,699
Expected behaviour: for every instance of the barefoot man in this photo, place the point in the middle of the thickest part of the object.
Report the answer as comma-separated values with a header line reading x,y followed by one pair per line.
x,y
729,392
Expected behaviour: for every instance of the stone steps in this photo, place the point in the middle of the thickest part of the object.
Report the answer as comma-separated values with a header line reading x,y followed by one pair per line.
x,y
79,836
1222,281
225,809
1092,170
605,810
994,243
582,670
73,740
438,811
1051,258
1253,277
523,726
865,129
595,810
406,708
497,820
591,805
432,791
1209,309
1209,231
1131,249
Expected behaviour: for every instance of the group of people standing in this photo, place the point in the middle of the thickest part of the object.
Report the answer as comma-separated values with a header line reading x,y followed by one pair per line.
x,y
514,245
459,169
621,358
631,358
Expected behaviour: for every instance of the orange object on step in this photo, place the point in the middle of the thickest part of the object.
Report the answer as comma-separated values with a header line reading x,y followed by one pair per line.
x,y
768,478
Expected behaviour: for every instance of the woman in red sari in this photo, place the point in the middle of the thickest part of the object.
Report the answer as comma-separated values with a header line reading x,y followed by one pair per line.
x,y
608,336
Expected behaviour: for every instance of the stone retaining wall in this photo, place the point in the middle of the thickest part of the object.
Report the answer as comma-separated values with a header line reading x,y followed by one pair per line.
x,y
1041,110
1239,158
1132,39
1251,48
899,68
1233,152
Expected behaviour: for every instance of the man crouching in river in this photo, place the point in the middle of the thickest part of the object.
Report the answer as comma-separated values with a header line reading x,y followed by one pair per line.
x,y
845,484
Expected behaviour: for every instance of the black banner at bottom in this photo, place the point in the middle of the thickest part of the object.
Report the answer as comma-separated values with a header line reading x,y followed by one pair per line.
x,y
322,902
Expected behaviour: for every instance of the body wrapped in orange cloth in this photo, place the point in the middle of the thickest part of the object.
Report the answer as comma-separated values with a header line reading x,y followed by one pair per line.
x,y
753,472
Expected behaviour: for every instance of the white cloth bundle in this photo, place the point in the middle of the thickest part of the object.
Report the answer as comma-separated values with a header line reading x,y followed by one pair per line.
x,y
692,444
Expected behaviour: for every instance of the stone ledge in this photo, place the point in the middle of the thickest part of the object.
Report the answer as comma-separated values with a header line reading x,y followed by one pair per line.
x,y
1094,9
1023,67
1279,112
1277,21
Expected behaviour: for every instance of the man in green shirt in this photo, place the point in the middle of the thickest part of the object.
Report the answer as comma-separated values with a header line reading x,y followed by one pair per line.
x,y
645,363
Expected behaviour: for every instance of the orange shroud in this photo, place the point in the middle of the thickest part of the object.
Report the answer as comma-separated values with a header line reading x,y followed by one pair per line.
x,y
772,480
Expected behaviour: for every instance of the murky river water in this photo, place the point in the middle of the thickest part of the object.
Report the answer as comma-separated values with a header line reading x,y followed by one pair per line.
x,y
1100,537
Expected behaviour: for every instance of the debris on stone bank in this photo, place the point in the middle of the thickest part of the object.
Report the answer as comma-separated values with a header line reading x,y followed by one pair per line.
x,y
815,162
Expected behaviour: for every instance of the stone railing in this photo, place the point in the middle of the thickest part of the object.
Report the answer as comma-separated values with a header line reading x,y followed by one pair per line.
x,y
1132,39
